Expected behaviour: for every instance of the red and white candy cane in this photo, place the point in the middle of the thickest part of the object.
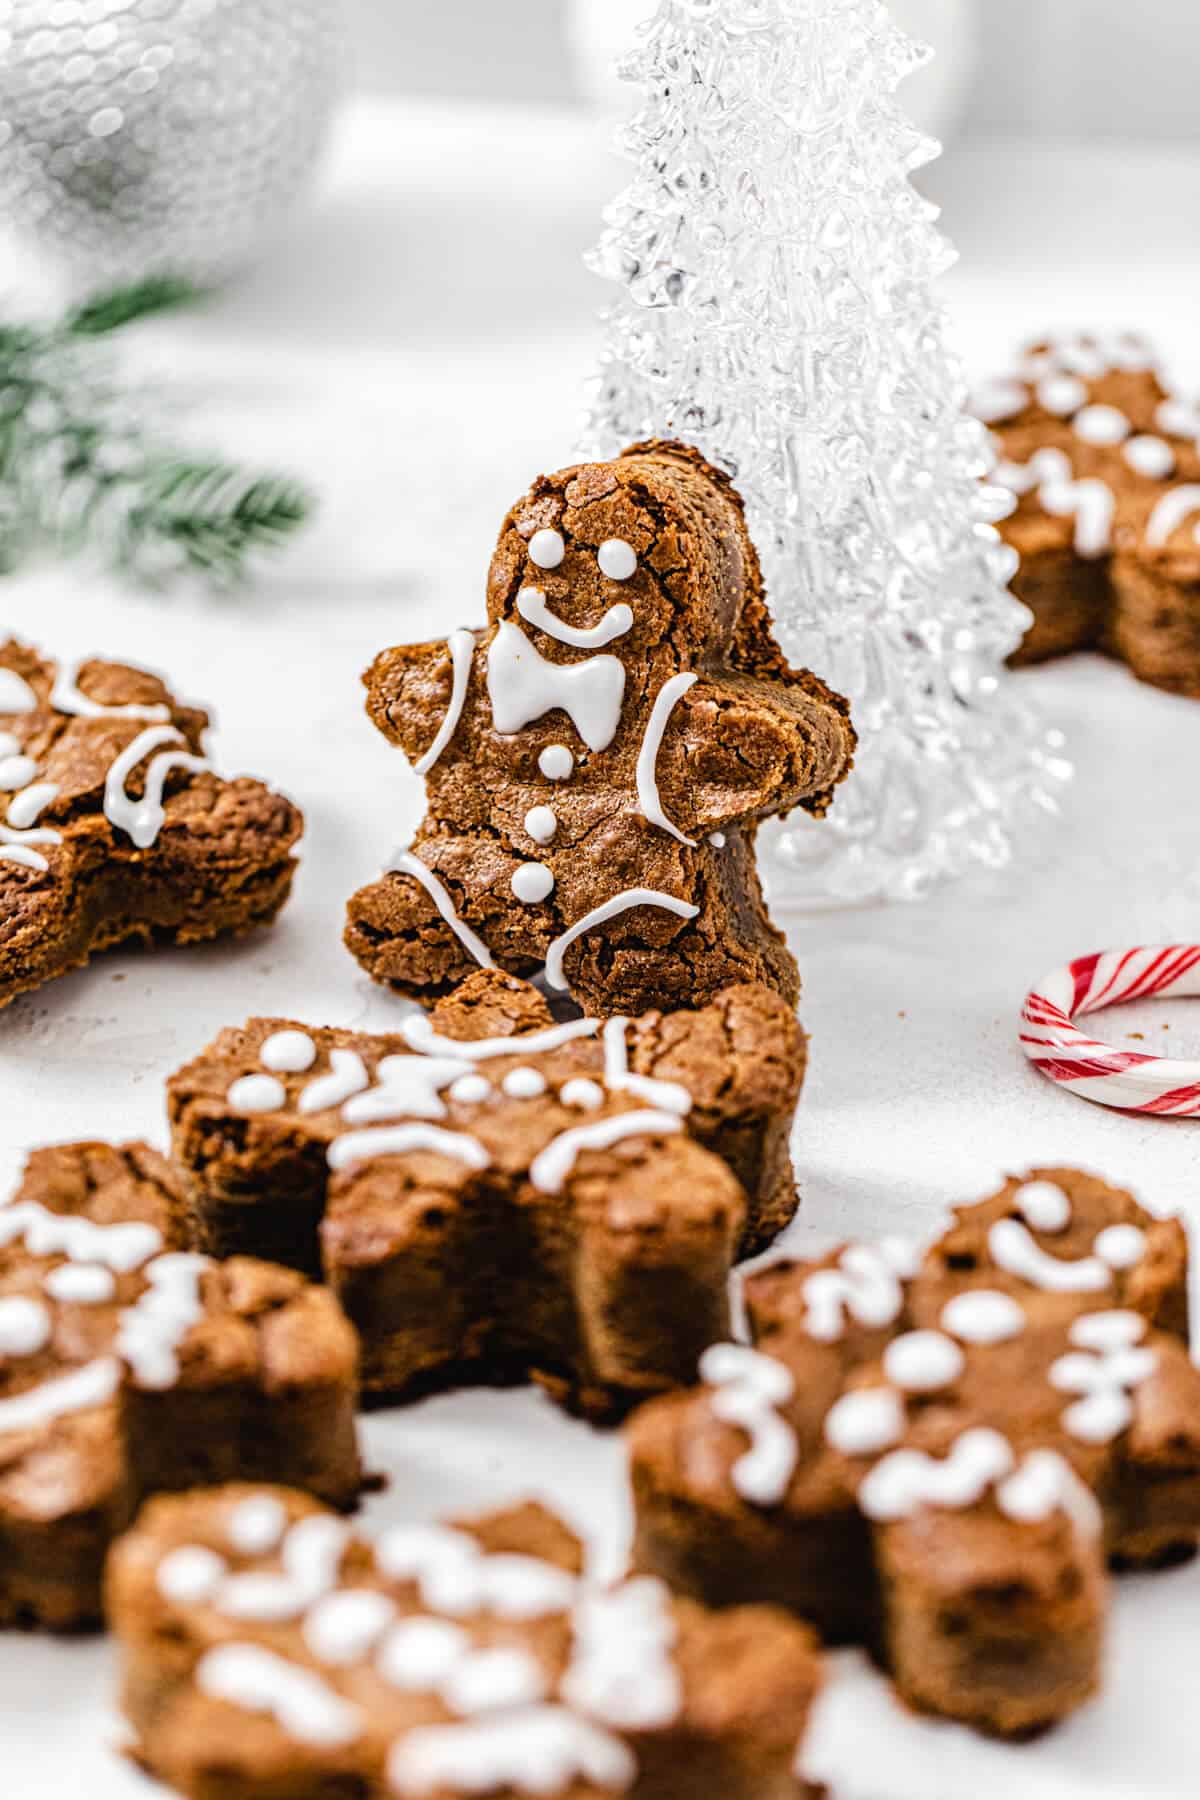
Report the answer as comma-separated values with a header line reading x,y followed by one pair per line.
x,y
1096,1071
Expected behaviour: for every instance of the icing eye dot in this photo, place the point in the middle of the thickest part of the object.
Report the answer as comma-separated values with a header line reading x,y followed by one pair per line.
x,y
532,882
541,823
1044,1205
1121,1246
546,549
617,559
556,762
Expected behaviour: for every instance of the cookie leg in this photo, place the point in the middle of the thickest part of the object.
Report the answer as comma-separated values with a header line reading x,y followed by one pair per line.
x,y
995,1623
395,931
443,909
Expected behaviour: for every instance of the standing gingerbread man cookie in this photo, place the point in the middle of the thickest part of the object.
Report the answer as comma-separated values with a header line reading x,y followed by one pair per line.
x,y
600,756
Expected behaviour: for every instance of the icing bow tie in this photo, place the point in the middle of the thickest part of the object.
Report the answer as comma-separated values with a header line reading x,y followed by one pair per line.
x,y
522,686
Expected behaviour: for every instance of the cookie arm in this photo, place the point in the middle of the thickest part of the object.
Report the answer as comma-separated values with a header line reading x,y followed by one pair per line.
x,y
416,694
739,750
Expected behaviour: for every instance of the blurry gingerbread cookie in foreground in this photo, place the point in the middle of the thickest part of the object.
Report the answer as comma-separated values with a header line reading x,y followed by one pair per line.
x,y
600,756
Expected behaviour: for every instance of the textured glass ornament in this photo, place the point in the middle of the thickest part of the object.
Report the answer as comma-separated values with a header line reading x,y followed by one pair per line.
x,y
779,312
138,136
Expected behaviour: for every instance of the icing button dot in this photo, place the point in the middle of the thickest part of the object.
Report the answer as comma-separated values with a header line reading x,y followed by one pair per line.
x,y
1150,456
256,1093
923,1361
1102,425
983,1316
9,745
470,1089
617,559
1061,394
865,1421
24,1326
16,772
582,1092
80,1284
556,762
541,822
532,882
524,1084
717,839
546,549
288,1052
190,1575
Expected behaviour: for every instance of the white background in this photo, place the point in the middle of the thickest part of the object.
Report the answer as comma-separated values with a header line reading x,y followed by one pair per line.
x,y
1060,68
364,352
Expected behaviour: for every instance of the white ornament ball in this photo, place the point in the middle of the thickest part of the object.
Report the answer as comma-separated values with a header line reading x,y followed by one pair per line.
x,y
161,136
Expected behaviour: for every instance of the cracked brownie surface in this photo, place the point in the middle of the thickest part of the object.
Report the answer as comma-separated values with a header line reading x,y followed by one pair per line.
x,y
493,1195
129,1364
113,826
599,758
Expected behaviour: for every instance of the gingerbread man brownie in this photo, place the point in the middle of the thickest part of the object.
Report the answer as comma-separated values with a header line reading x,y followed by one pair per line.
x,y
113,826
129,1364
496,1195
269,1652
599,758
1103,465
935,1456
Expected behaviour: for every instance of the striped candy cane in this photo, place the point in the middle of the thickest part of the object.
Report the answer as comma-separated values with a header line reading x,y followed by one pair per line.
x,y
1094,1070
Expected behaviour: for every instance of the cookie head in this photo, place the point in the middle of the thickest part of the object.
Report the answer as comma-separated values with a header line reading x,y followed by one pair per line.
x,y
625,557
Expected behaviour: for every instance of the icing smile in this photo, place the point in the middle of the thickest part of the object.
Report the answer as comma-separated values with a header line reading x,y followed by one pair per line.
x,y
531,604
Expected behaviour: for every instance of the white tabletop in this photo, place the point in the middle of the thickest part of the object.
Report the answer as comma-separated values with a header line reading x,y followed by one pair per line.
x,y
417,346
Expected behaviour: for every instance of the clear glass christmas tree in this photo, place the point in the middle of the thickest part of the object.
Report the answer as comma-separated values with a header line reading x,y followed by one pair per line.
x,y
778,311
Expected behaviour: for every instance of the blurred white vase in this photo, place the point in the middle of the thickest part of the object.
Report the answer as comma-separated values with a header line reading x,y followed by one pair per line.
x,y
600,31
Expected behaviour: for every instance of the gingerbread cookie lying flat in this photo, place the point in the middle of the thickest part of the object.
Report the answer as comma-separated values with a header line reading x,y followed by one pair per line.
x,y
270,1653
935,1457
599,758
1104,468
128,1364
113,826
502,1196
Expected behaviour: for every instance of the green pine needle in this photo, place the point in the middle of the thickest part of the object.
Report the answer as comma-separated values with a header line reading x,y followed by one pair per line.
x,y
109,310
79,472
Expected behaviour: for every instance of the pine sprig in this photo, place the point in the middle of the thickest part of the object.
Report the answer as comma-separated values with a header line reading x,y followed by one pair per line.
x,y
82,473
206,516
